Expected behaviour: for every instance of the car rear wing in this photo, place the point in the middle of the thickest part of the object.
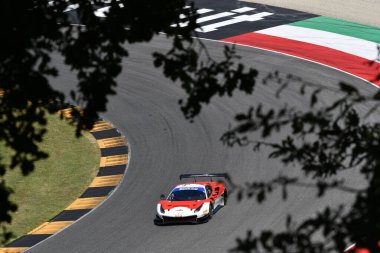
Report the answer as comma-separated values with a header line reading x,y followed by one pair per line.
x,y
209,175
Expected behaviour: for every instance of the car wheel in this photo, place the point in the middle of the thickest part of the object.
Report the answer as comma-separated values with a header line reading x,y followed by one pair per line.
x,y
211,211
225,196
158,222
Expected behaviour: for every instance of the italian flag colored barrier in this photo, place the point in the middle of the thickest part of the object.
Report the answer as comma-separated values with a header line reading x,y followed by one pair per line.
x,y
346,46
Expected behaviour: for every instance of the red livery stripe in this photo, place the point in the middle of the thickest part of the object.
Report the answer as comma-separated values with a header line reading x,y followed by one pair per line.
x,y
349,63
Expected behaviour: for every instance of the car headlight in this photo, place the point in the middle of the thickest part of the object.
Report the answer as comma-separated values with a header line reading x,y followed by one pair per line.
x,y
198,209
162,209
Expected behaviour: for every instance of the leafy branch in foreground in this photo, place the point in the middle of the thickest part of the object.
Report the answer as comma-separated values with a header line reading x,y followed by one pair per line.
x,y
322,141
203,77
93,50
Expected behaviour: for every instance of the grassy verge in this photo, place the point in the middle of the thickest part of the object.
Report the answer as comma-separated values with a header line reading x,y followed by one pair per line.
x,y
56,181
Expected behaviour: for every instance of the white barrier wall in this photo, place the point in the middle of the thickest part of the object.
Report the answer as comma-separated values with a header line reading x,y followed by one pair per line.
x,y
365,12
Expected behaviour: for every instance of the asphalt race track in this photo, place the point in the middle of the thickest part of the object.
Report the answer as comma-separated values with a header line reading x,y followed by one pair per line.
x,y
163,145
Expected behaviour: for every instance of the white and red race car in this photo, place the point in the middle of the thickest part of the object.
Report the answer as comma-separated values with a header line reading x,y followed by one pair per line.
x,y
193,202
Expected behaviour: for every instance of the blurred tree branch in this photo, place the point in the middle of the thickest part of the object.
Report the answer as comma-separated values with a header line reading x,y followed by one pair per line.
x,y
94,50
322,141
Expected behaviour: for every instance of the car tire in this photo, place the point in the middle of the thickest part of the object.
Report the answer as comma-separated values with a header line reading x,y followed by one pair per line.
x,y
211,211
225,197
158,222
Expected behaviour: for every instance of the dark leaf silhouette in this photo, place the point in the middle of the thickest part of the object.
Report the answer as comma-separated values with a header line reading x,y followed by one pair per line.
x,y
94,49
323,141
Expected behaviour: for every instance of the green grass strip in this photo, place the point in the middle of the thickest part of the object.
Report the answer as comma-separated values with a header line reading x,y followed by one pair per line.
x,y
341,27
56,181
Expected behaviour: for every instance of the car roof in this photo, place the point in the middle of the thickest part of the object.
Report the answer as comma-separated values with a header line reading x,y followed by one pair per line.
x,y
190,185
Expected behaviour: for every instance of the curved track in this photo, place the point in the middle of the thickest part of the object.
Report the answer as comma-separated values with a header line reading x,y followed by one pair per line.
x,y
164,144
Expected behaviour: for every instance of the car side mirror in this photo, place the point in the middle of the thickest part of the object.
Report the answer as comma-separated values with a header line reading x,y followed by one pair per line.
x,y
162,196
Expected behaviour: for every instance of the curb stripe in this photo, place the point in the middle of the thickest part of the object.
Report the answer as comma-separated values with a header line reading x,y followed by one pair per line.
x,y
112,166
351,29
106,181
352,64
85,203
66,113
113,160
114,151
50,227
101,126
70,215
351,45
27,241
104,134
97,191
13,250
111,142
111,170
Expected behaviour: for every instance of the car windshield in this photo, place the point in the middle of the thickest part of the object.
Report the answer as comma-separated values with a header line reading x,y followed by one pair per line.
x,y
184,195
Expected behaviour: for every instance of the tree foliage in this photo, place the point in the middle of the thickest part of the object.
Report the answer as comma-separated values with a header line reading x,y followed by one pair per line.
x,y
322,141
93,49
